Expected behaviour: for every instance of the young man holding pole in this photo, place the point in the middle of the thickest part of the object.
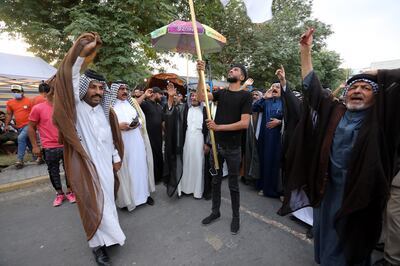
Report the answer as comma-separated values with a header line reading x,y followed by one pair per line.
x,y
232,117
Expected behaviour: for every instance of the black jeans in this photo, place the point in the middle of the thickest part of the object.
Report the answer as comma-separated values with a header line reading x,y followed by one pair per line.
x,y
232,156
53,156
207,177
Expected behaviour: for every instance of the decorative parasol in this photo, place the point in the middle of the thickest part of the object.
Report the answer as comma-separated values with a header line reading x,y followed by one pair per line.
x,y
161,80
178,37
191,38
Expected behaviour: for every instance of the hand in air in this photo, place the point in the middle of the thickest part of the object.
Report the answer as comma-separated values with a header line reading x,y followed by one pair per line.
x,y
148,93
280,73
307,38
171,90
248,82
90,47
201,65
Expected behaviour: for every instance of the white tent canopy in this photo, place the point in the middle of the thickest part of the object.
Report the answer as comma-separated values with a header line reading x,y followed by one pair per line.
x,y
25,67
22,70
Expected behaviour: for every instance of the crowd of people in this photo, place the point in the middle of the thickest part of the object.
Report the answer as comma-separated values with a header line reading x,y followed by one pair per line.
x,y
28,123
333,162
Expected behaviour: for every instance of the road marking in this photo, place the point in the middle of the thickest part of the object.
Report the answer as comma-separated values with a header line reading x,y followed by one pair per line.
x,y
273,223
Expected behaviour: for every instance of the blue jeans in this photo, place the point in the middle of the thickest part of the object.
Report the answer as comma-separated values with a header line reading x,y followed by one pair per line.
x,y
23,142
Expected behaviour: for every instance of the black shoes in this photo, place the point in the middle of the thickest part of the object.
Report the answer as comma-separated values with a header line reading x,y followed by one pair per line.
x,y
150,201
19,164
101,256
211,218
235,225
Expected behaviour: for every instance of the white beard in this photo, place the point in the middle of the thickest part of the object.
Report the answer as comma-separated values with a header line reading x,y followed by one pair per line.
x,y
356,107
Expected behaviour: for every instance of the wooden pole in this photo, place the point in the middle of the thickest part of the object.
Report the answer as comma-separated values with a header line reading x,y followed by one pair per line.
x,y
187,74
203,81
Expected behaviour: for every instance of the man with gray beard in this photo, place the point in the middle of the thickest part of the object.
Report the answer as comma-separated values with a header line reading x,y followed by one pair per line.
x,y
342,159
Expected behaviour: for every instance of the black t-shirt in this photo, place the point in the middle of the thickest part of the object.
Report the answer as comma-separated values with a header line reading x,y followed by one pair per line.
x,y
231,106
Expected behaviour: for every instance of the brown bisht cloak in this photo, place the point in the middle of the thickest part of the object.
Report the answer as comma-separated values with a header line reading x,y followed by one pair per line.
x,y
371,166
79,168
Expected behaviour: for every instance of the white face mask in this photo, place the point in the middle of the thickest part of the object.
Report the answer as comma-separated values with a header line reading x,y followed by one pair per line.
x,y
17,95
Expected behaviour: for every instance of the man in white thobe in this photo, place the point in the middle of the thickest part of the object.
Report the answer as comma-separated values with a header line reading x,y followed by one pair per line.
x,y
88,128
136,176
192,181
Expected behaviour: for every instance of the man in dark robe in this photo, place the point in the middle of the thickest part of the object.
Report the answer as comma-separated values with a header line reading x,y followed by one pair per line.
x,y
291,115
174,132
342,159
251,161
175,119
150,104
391,227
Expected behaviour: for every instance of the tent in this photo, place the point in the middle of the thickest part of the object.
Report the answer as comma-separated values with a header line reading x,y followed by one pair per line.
x,y
22,70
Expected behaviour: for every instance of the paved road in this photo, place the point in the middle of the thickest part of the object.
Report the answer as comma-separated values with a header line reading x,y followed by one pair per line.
x,y
168,233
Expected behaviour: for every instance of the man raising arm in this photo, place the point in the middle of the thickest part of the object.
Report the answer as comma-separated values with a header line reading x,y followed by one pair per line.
x,y
232,116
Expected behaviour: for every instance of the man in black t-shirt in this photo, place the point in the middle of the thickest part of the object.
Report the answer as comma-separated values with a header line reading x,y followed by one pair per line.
x,y
232,117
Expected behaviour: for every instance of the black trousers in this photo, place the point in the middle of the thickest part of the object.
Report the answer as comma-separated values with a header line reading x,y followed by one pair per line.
x,y
158,160
207,177
232,157
52,157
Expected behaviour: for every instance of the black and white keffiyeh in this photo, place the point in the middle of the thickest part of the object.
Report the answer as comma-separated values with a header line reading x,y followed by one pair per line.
x,y
114,91
371,80
84,82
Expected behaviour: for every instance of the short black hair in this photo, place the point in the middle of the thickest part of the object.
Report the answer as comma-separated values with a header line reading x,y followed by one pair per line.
x,y
44,87
242,68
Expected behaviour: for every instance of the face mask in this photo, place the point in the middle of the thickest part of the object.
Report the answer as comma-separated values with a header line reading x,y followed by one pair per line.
x,y
17,95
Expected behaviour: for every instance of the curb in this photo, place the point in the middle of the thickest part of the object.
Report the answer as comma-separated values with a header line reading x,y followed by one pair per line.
x,y
24,183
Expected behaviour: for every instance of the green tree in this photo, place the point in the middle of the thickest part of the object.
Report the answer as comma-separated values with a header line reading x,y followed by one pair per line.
x,y
264,47
51,26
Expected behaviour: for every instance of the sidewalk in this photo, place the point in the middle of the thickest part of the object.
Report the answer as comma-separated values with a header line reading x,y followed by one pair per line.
x,y
12,178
